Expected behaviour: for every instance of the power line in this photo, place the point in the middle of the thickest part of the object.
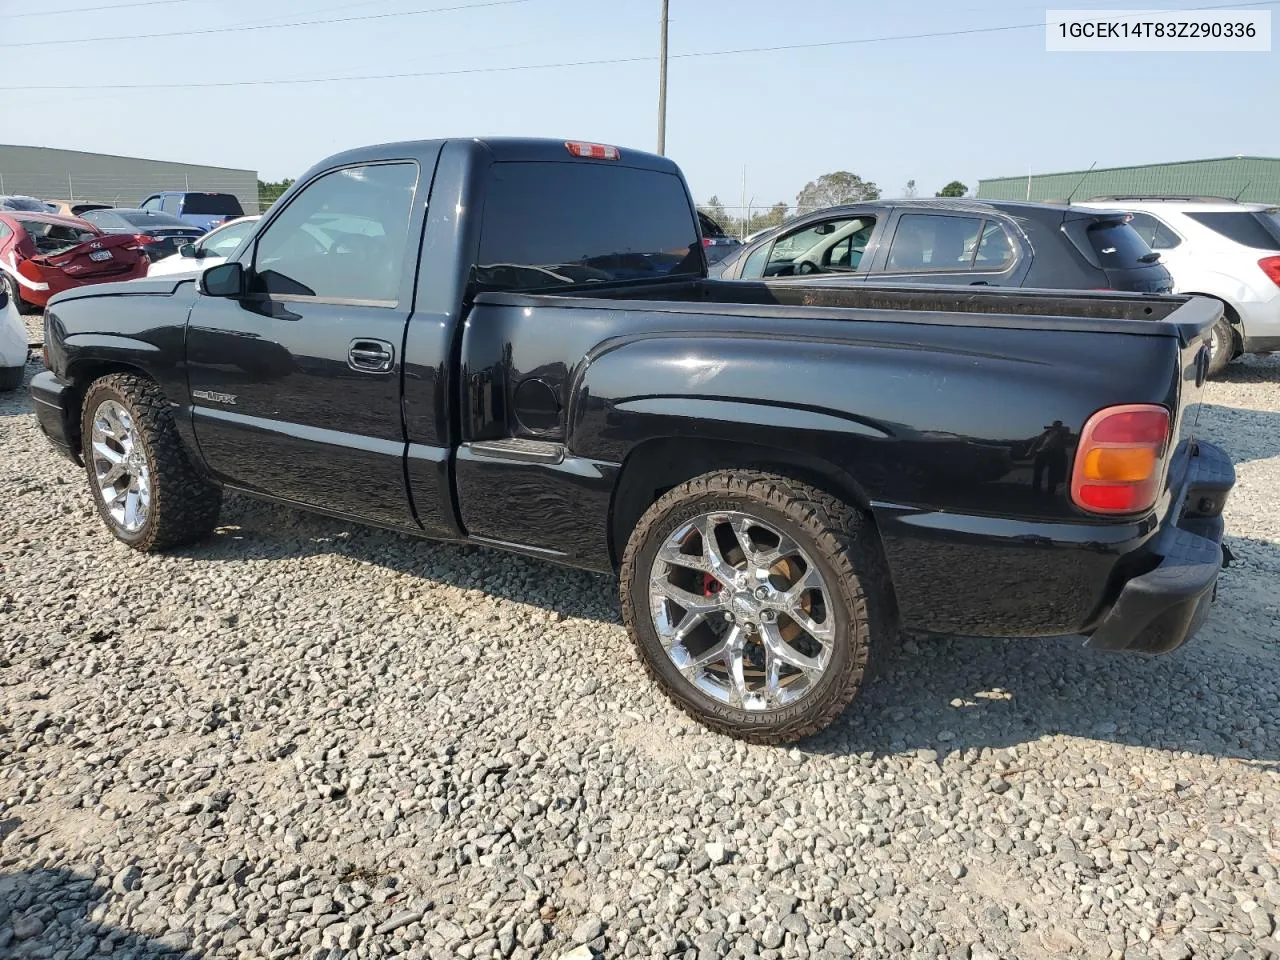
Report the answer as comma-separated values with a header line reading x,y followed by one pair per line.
x,y
467,71
265,26
110,6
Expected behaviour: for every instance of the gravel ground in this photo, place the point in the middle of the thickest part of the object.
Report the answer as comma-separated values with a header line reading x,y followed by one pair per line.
x,y
305,738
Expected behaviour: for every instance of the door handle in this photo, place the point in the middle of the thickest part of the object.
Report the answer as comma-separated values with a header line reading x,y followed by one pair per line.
x,y
979,283
371,356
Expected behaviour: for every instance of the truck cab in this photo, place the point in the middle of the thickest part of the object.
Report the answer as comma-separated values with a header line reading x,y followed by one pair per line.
x,y
205,210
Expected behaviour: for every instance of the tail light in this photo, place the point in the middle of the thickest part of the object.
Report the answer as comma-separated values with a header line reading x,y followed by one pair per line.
x,y
140,240
593,151
1271,267
708,242
1120,459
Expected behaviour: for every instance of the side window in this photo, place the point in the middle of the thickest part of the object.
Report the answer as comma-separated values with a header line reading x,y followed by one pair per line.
x,y
151,203
4,231
821,247
1154,233
753,268
928,241
995,250
171,204
343,237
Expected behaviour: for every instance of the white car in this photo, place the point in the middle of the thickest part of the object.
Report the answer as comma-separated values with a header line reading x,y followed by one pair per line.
x,y
13,342
209,251
1222,249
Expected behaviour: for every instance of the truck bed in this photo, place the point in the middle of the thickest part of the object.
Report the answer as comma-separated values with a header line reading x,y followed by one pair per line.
x,y
1186,318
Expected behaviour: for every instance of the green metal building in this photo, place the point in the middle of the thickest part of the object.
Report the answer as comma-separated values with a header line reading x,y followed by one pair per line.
x,y
1255,179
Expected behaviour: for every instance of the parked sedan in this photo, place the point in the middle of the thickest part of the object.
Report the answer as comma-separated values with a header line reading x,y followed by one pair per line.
x,y
42,254
970,242
209,251
715,241
19,204
13,342
159,234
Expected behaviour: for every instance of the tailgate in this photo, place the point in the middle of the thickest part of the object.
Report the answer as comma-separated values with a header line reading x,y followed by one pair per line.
x,y
1194,320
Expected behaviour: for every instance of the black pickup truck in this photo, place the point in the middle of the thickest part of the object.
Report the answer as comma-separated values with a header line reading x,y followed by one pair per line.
x,y
513,343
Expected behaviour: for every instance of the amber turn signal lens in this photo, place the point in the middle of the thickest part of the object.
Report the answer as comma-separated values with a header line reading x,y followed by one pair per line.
x,y
1120,460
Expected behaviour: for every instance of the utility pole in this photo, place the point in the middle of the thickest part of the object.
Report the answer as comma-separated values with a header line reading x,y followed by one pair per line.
x,y
662,84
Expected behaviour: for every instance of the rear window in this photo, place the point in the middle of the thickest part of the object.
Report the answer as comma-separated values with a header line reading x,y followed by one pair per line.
x,y
205,204
152,219
55,237
25,204
1259,230
1118,245
549,225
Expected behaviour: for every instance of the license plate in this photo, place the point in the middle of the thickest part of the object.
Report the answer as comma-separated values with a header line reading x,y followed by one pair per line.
x,y
100,255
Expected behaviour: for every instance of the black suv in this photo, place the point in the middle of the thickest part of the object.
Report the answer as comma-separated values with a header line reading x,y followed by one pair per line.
x,y
974,242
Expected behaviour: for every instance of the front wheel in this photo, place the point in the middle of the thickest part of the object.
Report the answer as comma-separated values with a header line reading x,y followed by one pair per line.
x,y
146,490
754,600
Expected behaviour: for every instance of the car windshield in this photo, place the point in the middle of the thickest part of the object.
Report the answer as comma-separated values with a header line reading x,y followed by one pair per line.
x,y
223,243
212,203
55,237
151,218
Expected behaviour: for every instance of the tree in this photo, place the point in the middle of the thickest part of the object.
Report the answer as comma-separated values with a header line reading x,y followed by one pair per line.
x,y
269,193
714,209
909,191
953,189
767,218
831,189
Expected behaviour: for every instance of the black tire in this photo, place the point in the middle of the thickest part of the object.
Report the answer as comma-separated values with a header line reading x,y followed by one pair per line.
x,y
839,540
184,505
15,295
1222,348
11,377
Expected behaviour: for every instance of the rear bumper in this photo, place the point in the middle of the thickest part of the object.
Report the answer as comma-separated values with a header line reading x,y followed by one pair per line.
x,y
1161,609
54,412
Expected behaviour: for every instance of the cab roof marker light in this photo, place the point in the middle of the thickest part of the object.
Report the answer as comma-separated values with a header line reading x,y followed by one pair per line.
x,y
592,151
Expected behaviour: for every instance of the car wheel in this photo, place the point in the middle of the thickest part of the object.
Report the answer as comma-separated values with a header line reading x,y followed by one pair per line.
x,y
1222,346
146,491
15,295
754,601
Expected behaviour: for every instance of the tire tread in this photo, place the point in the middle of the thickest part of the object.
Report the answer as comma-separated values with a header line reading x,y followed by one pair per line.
x,y
844,539
184,504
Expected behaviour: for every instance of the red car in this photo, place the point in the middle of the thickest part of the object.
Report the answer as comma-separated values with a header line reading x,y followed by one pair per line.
x,y
43,253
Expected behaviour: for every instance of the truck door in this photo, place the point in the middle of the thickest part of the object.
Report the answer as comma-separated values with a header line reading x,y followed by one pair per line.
x,y
295,383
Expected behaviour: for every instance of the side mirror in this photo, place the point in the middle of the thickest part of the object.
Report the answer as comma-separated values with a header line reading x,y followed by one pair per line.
x,y
224,280
189,251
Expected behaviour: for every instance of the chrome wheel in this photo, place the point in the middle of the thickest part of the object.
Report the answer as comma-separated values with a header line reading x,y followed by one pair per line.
x,y
120,466
742,611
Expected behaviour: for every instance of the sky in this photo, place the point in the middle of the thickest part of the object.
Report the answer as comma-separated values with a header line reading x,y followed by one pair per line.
x,y
929,109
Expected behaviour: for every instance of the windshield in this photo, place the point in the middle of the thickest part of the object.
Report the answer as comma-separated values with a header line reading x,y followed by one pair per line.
x,y
223,243
212,203
152,218
55,237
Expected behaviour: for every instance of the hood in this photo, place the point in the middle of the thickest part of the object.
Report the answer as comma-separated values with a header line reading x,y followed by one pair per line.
x,y
165,286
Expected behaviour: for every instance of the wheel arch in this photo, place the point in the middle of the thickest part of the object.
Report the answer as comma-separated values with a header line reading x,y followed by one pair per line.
x,y
656,465
1231,312
81,374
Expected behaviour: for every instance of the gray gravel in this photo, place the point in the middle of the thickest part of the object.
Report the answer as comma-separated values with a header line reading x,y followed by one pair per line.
x,y
309,739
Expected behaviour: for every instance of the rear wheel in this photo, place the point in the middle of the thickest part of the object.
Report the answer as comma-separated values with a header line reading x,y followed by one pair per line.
x,y
146,491
15,294
1222,346
753,600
